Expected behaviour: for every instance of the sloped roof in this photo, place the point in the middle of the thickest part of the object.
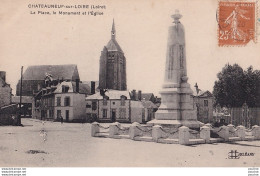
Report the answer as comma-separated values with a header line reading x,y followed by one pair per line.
x,y
113,46
202,93
96,96
148,104
83,88
89,84
38,72
147,96
112,94
3,83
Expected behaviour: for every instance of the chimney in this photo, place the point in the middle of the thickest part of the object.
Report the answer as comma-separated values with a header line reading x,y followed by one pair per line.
x,y
134,94
93,87
77,85
140,95
3,75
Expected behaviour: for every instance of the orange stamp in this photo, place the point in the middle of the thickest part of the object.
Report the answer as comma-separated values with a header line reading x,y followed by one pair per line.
x,y
236,23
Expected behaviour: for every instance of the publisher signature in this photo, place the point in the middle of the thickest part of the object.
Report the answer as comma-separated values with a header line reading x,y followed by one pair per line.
x,y
234,154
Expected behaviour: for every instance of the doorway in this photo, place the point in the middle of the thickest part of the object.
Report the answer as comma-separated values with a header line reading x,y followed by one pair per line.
x,y
113,115
67,115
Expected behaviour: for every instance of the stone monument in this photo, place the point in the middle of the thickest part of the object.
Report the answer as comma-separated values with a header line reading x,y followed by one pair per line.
x,y
176,108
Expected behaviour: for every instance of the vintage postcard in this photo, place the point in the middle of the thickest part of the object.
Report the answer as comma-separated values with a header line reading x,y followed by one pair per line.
x,y
112,83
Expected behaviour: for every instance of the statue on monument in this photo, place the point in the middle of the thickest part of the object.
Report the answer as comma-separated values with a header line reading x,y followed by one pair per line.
x,y
176,108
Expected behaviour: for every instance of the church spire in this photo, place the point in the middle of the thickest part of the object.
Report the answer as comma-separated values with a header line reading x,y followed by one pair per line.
x,y
113,31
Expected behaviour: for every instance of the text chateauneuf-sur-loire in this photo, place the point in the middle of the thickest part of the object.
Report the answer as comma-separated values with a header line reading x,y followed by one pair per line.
x,y
66,12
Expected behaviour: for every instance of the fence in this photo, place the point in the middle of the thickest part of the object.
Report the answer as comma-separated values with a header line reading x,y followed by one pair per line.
x,y
182,135
249,119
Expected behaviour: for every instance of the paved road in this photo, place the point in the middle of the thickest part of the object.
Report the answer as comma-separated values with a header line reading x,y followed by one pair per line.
x,y
53,144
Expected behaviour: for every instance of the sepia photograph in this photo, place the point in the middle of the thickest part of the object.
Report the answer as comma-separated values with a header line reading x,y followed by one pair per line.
x,y
113,83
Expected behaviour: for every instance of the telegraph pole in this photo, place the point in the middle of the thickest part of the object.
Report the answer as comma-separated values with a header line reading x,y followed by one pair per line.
x,y
20,104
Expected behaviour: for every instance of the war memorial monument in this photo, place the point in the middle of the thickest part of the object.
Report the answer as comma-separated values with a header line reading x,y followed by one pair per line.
x,y
176,108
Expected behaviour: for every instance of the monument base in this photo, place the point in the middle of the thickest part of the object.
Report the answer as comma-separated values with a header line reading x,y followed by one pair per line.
x,y
177,123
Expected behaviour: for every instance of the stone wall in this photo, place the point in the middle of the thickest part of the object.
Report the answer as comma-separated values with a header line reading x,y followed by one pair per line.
x,y
5,95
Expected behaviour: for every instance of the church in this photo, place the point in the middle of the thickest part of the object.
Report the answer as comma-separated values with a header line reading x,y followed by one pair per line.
x,y
114,101
112,70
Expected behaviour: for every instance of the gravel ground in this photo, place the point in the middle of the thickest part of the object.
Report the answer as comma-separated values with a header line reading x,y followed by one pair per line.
x,y
53,144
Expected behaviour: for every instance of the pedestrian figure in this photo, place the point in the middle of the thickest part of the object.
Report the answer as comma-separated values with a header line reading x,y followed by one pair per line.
x,y
61,119
43,134
13,117
83,120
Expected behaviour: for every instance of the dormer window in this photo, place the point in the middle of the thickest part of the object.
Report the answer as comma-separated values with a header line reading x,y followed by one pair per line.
x,y
123,98
65,89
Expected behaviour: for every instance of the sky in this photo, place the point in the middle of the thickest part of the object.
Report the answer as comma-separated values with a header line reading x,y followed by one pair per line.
x,y
141,31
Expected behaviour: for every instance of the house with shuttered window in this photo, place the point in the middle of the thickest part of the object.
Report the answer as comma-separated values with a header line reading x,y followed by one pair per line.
x,y
66,99
113,106
117,106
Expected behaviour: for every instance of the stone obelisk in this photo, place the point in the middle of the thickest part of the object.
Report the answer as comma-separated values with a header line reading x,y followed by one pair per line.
x,y
176,108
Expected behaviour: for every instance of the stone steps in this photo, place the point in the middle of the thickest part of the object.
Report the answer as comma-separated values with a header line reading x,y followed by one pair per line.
x,y
234,139
144,138
121,136
106,135
249,138
196,141
168,141
216,140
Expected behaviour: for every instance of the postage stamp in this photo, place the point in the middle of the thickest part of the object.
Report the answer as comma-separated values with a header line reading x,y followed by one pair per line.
x,y
236,23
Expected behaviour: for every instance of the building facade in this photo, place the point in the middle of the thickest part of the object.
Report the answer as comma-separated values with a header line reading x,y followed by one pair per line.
x,y
117,106
5,90
40,78
203,102
65,100
8,111
114,106
112,70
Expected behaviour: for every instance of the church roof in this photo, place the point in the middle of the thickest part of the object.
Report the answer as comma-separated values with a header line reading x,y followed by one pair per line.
x,y
113,46
38,72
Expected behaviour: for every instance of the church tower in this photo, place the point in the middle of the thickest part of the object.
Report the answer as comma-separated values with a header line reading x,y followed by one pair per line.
x,y
112,70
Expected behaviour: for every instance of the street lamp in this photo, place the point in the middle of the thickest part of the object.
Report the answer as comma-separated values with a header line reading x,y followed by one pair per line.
x,y
20,104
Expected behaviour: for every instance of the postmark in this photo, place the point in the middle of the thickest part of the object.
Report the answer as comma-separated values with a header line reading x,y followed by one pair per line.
x,y
236,22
